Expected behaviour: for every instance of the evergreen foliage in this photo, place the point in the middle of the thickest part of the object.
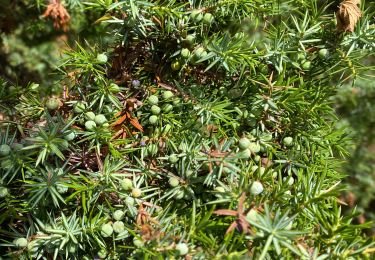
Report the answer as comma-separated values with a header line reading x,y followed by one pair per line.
x,y
205,130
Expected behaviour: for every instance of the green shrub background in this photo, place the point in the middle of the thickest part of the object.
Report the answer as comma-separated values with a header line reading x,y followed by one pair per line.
x,y
186,129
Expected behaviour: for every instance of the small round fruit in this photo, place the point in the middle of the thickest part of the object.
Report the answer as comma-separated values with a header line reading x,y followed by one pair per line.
x,y
100,119
20,242
323,53
208,18
288,141
182,248
102,58
102,253
190,39
17,146
175,65
4,150
152,149
106,230
153,120
306,65
290,180
244,143
176,101
90,125
136,192
155,110
167,108
114,88
138,242
173,158
199,52
126,184
129,201
136,83
256,188
118,214
118,227
254,147
70,136
185,53
90,116
179,194
3,192
174,182
245,154
167,94
79,107
52,103
196,16
252,215
153,100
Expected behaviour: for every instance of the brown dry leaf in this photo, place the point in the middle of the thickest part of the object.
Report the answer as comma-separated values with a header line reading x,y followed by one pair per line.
x,y
58,13
348,15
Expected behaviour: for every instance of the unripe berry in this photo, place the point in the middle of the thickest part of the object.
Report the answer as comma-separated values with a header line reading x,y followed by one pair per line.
x,y
102,58
79,107
136,192
173,158
102,253
323,53
4,150
190,39
118,214
3,192
106,230
52,103
185,53
155,110
243,143
90,116
153,120
17,146
167,94
153,100
20,242
252,215
118,227
90,125
196,16
174,182
182,248
175,65
100,119
256,188
288,141
137,242
208,18
167,108
70,136
254,147
306,65
126,184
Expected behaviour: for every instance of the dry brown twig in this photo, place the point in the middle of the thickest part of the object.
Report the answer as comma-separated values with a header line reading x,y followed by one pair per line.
x,y
58,13
348,15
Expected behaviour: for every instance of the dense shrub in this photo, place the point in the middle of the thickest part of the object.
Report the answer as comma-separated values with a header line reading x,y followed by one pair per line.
x,y
206,130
